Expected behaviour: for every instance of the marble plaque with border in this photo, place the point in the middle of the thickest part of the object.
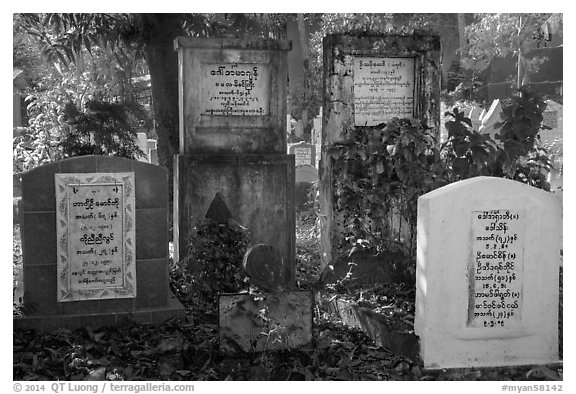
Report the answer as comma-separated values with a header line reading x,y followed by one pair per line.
x,y
95,221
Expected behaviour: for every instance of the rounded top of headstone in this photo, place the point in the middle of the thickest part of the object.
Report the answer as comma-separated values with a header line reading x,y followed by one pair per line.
x,y
480,183
265,267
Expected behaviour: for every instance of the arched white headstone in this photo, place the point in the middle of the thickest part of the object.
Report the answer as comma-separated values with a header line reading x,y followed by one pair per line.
x,y
488,257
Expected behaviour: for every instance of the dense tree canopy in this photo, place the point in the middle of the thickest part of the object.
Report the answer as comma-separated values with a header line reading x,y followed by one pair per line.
x,y
125,39
110,50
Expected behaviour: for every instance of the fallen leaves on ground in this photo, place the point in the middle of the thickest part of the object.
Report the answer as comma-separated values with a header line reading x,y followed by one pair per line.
x,y
189,350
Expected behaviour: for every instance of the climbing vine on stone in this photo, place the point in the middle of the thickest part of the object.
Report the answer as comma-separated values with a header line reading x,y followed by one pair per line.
x,y
382,170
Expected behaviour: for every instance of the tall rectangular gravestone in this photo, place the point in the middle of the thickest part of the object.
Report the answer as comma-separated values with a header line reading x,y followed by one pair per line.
x,y
95,244
488,258
305,174
368,80
233,139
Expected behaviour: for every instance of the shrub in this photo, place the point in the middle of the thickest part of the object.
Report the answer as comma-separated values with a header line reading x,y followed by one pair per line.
x,y
512,154
381,172
102,129
213,262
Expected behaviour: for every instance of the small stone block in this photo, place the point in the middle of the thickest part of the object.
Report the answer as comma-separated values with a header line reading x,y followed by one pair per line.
x,y
243,326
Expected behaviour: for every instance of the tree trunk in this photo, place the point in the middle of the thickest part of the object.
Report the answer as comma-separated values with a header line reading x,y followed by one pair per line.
x,y
306,84
462,33
163,66
161,30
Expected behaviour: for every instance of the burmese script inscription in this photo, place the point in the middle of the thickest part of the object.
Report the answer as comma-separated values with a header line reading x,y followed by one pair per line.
x,y
303,156
550,119
496,271
235,89
96,236
383,89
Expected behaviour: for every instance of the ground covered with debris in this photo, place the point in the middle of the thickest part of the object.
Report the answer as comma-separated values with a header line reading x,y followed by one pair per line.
x,y
189,350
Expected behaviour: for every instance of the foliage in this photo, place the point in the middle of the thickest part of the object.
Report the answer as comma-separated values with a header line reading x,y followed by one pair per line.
x,y
38,143
98,75
213,262
513,154
125,39
501,35
381,171
102,129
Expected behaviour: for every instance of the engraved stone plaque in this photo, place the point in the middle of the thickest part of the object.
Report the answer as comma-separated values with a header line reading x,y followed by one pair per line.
x,y
383,89
303,156
235,89
95,221
495,298
550,119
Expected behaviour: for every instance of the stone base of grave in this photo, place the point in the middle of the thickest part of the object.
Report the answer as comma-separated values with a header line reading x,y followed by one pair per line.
x,y
399,341
243,329
48,323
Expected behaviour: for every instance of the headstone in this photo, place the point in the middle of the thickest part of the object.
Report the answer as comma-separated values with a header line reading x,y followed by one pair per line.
x,y
368,81
490,118
317,128
142,142
153,156
304,153
487,274
317,137
306,173
95,244
552,139
152,152
233,139
273,318
474,116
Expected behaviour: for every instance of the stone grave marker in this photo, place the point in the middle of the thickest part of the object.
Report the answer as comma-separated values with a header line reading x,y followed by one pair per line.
x,y
552,139
95,244
490,118
233,139
474,116
276,318
142,142
487,274
152,151
153,156
305,174
368,81
304,153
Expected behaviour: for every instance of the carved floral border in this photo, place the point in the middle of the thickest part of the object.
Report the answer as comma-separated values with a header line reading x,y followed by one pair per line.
x,y
64,264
